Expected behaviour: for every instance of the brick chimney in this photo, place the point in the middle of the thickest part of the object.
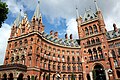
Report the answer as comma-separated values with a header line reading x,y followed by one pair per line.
x,y
56,34
115,28
51,32
71,36
66,37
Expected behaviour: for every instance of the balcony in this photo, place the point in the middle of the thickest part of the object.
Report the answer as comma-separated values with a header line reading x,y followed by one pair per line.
x,y
89,45
94,60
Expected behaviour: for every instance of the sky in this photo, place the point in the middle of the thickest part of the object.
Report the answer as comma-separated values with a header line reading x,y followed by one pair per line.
x,y
57,15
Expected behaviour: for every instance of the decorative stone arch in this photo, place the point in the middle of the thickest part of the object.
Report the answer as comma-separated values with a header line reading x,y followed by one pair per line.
x,y
96,63
98,72
28,77
4,76
10,76
20,76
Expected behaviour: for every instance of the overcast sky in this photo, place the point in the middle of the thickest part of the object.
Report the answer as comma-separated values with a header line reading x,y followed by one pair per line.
x,y
59,15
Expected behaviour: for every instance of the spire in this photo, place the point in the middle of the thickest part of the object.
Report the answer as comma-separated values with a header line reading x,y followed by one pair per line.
x,y
77,13
18,19
37,11
96,5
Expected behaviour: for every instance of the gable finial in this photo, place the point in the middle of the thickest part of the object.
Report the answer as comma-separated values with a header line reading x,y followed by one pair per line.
x,y
37,11
96,5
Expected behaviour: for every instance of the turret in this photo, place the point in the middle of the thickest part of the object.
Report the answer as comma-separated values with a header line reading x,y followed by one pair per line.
x,y
37,19
100,17
16,25
79,21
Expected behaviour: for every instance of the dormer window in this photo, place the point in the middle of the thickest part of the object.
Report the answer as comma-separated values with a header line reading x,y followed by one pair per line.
x,y
88,15
85,19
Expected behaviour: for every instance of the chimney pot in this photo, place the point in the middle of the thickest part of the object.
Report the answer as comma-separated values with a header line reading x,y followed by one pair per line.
x,y
66,36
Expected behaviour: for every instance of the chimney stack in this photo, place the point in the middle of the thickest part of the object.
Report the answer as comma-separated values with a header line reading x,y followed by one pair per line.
x,y
66,36
56,34
51,32
115,28
71,36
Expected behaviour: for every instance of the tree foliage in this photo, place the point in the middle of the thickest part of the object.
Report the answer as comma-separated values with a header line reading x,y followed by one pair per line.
x,y
72,76
3,12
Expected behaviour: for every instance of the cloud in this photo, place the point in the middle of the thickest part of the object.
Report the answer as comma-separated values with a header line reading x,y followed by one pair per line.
x,y
72,28
4,35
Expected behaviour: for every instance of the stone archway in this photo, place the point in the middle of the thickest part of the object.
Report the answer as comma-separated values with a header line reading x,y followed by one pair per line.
x,y
10,76
4,76
20,77
99,72
28,77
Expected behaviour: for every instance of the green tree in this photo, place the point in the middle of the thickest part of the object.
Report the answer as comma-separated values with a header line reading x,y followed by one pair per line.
x,y
72,76
3,12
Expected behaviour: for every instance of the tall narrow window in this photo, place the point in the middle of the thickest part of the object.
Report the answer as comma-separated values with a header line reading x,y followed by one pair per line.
x,y
86,31
95,29
91,30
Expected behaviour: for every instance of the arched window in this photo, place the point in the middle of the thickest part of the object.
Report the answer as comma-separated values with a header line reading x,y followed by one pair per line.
x,y
20,42
63,67
58,56
73,59
99,49
88,42
63,58
17,58
89,50
31,39
69,77
68,59
25,41
93,41
91,30
97,39
23,59
86,31
12,59
63,77
69,68
95,29
15,44
94,50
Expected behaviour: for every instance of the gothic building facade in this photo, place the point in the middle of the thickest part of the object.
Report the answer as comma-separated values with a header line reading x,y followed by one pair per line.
x,y
32,54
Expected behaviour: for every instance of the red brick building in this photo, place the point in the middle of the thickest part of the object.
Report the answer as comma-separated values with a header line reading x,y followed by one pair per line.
x,y
34,55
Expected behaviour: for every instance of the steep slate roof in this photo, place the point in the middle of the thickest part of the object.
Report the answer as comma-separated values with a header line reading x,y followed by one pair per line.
x,y
64,42
89,14
112,34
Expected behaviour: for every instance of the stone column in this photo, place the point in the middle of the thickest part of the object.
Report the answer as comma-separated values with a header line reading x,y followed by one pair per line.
x,y
106,73
91,77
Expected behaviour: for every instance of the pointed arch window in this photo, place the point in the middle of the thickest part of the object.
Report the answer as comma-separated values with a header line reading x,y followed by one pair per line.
x,y
91,30
63,67
93,41
97,39
78,59
73,59
95,28
88,42
68,59
90,51
86,31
